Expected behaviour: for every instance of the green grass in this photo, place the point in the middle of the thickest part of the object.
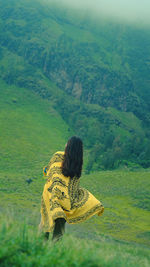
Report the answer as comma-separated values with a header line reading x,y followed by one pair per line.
x,y
22,245
31,130
125,196
74,50
128,122
82,118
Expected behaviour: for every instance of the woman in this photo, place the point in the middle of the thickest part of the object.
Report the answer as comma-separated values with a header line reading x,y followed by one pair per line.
x,y
63,199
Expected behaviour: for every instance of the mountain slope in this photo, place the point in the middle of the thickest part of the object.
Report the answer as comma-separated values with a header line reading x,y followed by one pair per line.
x,y
21,246
31,130
75,52
101,92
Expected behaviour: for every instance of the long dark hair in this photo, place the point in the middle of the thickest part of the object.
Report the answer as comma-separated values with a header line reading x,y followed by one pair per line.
x,y
73,158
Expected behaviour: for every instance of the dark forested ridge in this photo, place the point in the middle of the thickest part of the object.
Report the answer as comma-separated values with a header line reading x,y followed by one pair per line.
x,y
96,74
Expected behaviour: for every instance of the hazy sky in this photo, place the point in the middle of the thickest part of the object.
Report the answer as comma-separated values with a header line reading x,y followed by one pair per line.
x,y
131,10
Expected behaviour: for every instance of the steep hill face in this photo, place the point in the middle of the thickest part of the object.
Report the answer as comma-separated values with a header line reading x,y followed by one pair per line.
x,y
101,70
31,131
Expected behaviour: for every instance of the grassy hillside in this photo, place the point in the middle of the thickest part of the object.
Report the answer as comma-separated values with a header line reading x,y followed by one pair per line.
x,y
110,136
125,196
58,77
74,50
126,216
31,130
100,69
22,246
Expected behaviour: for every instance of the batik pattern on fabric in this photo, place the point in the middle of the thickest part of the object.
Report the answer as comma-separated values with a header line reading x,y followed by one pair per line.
x,y
56,158
64,198
78,196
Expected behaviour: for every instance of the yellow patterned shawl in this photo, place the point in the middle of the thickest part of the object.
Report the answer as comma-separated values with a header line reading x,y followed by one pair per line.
x,y
63,198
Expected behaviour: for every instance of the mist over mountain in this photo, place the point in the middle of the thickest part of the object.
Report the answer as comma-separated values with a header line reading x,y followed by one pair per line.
x,y
99,69
122,10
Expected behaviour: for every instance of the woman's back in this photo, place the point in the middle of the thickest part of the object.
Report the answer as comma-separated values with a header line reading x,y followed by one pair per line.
x,y
64,198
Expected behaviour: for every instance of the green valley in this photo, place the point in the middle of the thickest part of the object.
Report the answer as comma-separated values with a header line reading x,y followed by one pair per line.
x,y
31,132
65,73
99,68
